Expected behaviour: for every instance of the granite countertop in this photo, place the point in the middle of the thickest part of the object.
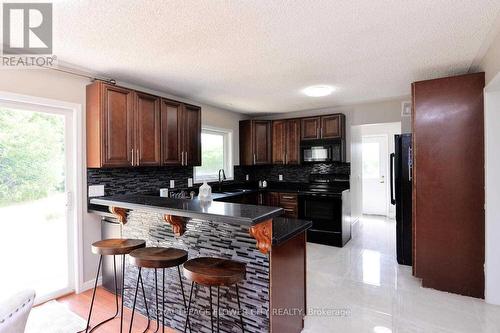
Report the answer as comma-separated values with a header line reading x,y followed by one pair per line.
x,y
286,228
232,213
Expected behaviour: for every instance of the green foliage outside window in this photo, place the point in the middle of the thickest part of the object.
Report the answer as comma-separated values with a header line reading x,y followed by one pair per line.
x,y
31,155
212,155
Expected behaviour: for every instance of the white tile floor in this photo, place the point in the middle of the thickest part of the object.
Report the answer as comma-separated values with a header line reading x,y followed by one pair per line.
x,y
361,288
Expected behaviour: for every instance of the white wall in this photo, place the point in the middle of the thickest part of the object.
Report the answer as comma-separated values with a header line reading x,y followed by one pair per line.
x,y
359,114
356,181
490,64
69,88
492,187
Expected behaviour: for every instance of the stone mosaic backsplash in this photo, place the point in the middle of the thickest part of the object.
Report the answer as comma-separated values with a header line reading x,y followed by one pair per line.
x,y
136,180
291,173
202,238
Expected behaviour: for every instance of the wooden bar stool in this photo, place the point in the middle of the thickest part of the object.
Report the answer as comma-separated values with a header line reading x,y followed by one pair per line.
x,y
211,272
157,258
113,247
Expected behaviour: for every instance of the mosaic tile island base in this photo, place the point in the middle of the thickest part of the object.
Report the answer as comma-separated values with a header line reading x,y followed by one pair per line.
x,y
272,294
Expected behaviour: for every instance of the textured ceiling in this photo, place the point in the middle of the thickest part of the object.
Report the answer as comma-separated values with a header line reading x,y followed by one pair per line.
x,y
256,56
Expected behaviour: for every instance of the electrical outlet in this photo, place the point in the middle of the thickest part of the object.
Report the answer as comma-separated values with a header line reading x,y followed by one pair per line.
x,y
96,191
280,177
172,183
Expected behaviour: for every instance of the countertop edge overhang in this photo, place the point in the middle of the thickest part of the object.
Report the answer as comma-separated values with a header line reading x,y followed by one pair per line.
x,y
282,228
251,215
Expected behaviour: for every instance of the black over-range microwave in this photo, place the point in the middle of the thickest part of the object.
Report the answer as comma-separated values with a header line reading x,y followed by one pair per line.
x,y
320,151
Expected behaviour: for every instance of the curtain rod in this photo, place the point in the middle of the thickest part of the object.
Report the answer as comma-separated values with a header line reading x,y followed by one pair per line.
x,y
88,76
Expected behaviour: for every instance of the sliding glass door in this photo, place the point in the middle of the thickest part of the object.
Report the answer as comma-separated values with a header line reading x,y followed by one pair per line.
x,y
36,219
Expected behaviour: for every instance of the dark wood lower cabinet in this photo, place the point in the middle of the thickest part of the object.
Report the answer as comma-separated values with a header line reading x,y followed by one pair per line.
x,y
288,285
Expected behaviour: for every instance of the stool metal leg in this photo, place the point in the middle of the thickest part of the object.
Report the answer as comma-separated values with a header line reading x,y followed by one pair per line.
x,y
211,311
157,308
93,294
135,300
239,309
145,304
163,301
218,304
123,292
93,297
189,306
183,295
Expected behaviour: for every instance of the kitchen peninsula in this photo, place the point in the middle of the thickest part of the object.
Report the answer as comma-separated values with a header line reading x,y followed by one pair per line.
x,y
273,248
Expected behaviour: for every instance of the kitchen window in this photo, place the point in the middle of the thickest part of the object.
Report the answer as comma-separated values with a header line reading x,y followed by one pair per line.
x,y
216,153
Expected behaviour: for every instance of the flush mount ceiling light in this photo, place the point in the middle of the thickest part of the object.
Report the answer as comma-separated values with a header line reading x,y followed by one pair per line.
x,y
318,90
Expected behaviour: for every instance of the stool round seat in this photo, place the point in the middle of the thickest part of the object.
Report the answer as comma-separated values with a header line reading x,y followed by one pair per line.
x,y
117,246
214,271
158,257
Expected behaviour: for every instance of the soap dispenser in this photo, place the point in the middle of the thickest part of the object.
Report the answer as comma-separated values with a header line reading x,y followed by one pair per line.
x,y
205,192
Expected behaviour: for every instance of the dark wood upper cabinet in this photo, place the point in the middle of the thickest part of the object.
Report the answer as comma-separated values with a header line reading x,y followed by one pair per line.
x,y
310,128
255,142
147,133
171,132
325,127
292,155
127,128
331,127
286,141
262,141
110,126
279,141
192,135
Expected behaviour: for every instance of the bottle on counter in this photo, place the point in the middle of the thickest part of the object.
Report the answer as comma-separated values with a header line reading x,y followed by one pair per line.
x,y
264,183
205,192
260,183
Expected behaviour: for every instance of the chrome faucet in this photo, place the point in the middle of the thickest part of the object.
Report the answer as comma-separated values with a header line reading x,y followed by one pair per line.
x,y
221,179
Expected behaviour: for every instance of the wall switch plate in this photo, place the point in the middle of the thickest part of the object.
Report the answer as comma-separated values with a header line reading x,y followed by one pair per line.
x,y
190,182
280,177
96,191
172,183
247,177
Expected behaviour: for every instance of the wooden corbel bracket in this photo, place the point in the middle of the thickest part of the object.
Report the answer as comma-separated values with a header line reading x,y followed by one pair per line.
x,y
178,224
263,234
119,213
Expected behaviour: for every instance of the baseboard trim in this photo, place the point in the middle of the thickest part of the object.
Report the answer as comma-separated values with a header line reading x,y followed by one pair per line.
x,y
90,284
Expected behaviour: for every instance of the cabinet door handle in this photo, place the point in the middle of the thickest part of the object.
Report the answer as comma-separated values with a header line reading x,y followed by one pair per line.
x,y
321,132
137,159
286,158
186,161
132,153
182,158
254,159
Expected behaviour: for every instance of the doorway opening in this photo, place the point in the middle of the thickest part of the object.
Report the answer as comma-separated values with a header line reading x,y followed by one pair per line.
x,y
377,143
39,219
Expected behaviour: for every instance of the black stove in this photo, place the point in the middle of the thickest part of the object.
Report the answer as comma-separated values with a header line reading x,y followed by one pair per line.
x,y
326,202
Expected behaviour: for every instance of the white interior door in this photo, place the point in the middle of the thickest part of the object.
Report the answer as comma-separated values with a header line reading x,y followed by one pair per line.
x,y
374,173
36,211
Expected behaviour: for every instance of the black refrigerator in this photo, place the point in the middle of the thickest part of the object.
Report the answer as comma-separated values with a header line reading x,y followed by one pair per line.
x,y
401,196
